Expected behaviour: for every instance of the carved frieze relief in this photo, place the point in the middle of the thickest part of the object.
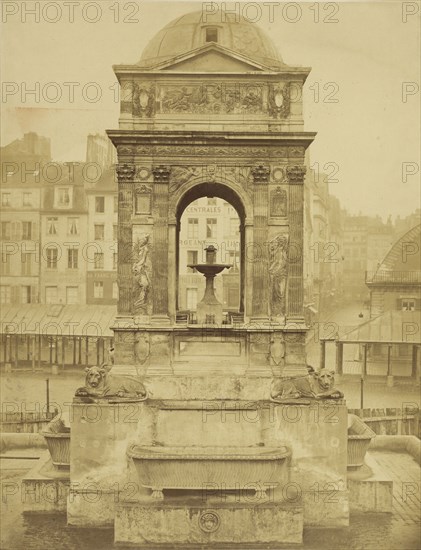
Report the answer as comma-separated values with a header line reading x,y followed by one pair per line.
x,y
211,98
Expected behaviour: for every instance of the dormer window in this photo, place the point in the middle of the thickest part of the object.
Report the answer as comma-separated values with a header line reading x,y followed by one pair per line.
x,y
211,34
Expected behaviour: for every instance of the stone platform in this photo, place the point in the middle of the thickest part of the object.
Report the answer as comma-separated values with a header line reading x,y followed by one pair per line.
x,y
44,488
371,488
189,522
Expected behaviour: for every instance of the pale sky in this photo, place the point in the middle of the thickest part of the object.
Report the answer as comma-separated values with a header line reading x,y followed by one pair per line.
x,y
368,55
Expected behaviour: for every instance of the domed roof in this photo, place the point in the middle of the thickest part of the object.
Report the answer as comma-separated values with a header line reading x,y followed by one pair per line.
x,y
192,30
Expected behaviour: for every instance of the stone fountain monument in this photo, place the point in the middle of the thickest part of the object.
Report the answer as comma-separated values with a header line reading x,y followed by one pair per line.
x,y
166,447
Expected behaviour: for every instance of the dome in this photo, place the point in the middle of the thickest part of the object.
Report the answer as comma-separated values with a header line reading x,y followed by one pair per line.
x,y
192,30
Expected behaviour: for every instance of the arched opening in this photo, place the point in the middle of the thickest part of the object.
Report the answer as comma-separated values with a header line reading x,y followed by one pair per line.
x,y
210,214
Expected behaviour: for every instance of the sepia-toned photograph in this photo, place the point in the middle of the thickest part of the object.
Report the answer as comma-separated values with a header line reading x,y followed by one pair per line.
x,y
210,275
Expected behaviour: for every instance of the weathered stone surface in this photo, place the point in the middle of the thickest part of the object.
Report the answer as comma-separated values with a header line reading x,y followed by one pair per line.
x,y
374,493
147,522
44,488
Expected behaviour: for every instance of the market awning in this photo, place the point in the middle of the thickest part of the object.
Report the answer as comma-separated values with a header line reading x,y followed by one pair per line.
x,y
58,320
393,327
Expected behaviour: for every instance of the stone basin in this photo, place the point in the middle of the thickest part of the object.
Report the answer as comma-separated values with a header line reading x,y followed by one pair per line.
x,y
59,447
359,439
205,468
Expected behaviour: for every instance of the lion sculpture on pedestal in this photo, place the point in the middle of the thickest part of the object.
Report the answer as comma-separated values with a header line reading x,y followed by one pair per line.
x,y
102,384
316,385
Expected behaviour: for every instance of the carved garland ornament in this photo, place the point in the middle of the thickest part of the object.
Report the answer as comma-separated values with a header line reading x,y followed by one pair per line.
x,y
279,105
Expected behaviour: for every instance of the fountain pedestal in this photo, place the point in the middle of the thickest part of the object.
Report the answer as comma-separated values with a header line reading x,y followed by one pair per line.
x,y
209,309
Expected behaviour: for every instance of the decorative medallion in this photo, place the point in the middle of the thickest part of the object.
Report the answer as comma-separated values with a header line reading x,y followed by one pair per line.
x,y
279,101
209,521
143,101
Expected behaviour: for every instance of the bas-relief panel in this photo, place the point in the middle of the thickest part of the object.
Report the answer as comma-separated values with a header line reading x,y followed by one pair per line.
x,y
145,99
212,151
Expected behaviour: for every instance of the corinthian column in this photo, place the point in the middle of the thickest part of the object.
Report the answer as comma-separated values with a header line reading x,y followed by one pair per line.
x,y
295,176
260,301
125,174
160,243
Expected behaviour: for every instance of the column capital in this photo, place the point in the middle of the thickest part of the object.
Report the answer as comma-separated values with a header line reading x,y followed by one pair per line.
x,y
296,173
125,172
161,173
260,173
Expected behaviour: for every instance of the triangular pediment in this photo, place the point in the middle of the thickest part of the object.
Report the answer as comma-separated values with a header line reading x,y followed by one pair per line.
x,y
211,58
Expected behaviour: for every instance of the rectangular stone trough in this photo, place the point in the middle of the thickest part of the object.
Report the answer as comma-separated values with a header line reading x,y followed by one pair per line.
x,y
197,468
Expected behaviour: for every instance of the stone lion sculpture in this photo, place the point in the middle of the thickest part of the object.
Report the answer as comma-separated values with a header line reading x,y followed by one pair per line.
x,y
100,383
316,385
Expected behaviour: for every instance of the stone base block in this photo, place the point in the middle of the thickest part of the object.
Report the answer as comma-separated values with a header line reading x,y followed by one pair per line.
x,y
373,493
44,488
169,524
91,508
326,508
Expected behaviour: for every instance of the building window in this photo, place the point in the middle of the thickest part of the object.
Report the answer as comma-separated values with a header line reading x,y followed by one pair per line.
x,y
211,34
115,260
192,259
52,226
192,228
5,294
100,205
63,196
26,264
115,290
72,258
5,231
73,226
191,298
5,199
5,263
27,201
51,295
52,256
211,228
99,260
115,232
408,305
115,203
72,295
211,201
99,231
234,226
98,289
25,294
26,231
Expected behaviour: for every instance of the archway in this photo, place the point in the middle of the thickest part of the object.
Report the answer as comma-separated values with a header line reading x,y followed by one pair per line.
x,y
229,251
